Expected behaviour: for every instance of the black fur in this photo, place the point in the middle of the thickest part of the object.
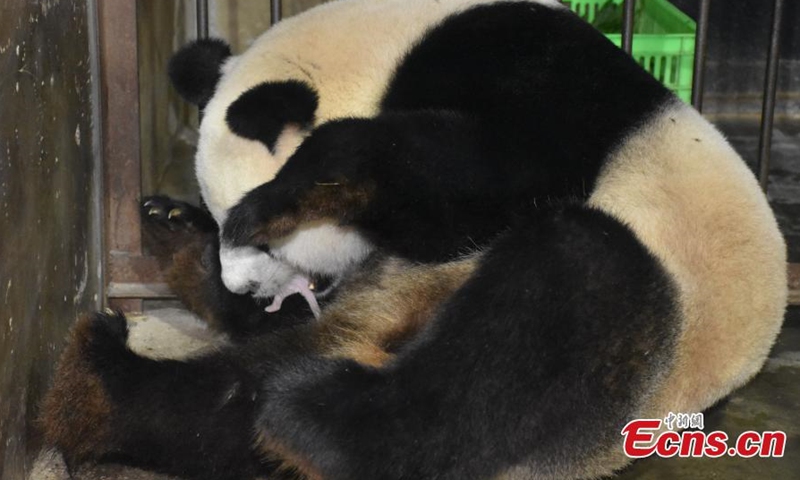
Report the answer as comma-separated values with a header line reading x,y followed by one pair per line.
x,y
183,418
262,112
493,122
542,355
426,173
162,212
174,232
547,350
195,69
488,117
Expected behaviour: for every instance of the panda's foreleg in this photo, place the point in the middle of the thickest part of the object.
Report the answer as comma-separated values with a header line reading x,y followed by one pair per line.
x,y
398,178
184,239
536,363
189,418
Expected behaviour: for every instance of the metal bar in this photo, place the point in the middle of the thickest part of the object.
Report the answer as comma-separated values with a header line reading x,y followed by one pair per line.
x,y
202,18
202,32
770,88
275,11
627,25
701,46
98,223
794,283
119,88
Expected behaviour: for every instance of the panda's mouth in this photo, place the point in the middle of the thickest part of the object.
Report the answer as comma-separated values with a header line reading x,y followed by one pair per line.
x,y
321,285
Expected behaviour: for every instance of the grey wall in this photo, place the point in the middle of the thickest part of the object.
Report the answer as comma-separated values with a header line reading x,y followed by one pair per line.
x,y
49,205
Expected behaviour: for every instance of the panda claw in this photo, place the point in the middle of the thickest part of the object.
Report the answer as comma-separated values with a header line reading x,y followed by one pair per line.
x,y
164,212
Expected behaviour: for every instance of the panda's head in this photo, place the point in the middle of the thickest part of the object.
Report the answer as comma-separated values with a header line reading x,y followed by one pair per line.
x,y
252,122
257,109
330,62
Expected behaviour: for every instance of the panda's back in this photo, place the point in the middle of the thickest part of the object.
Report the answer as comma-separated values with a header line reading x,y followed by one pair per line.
x,y
347,50
539,80
694,203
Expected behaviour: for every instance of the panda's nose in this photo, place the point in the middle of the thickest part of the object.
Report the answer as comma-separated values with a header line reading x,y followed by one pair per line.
x,y
240,269
251,270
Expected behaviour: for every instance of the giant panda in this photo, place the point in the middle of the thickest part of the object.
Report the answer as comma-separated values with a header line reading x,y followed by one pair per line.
x,y
531,242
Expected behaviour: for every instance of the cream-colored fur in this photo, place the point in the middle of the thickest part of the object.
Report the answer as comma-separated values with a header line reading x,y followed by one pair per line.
x,y
693,202
346,50
676,182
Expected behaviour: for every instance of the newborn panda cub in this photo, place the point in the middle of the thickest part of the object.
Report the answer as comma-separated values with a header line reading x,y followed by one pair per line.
x,y
531,241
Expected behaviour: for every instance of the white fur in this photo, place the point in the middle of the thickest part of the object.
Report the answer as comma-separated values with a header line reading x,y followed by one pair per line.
x,y
676,182
346,50
249,270
693,202
322,247
318,247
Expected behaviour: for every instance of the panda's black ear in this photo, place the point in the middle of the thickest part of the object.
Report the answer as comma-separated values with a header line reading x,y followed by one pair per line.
x,y
195,69
262,112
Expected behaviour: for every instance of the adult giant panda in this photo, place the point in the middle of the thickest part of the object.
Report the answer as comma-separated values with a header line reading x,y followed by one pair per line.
x,y
533,243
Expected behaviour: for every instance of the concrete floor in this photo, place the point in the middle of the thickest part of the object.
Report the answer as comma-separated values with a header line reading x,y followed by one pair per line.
x,y
770,402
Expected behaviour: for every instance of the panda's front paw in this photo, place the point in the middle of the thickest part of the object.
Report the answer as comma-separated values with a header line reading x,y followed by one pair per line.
x,y
162,212
170,227
274,211
266,212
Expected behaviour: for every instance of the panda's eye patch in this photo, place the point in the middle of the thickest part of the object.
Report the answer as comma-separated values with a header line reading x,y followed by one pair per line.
x,y
262,112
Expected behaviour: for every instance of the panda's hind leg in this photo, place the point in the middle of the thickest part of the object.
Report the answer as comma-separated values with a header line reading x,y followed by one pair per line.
x,y
76,413
188,418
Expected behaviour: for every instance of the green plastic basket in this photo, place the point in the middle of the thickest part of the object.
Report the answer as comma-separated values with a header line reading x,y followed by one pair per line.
x,y
663,38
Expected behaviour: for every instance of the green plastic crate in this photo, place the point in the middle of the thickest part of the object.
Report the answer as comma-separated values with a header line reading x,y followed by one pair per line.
x,y
663,38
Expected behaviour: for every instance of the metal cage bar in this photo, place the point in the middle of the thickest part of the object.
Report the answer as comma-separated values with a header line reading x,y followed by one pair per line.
x,y
202,32
275,11
202,18
701,47
770,90
627,25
